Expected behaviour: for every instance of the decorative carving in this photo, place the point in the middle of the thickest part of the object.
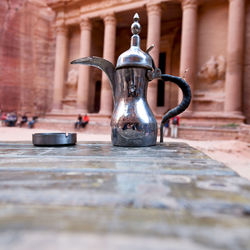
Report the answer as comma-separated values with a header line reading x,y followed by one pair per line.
x,y
61,28
153,9
213,70
85,24
189,4
71,83
101,5
109,19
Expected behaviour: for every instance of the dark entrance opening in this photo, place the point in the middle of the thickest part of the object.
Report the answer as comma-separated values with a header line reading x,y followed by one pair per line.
x,y
161,83
98,86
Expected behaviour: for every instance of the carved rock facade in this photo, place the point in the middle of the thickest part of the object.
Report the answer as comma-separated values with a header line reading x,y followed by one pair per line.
x,y
208,28
213,70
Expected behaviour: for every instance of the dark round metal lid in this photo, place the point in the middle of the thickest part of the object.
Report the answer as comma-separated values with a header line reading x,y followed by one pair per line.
x,y
54,139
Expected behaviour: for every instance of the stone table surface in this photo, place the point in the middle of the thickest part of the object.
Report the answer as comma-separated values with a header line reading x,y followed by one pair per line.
x,y
96,196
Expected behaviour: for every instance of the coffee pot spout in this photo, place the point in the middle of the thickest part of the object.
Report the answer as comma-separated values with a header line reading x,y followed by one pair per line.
x,y
102,64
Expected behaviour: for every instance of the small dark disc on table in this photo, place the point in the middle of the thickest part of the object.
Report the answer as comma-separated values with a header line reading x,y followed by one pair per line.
x,y
54,139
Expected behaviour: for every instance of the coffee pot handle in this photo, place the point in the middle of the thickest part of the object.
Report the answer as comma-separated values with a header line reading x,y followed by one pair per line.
x,y
183,85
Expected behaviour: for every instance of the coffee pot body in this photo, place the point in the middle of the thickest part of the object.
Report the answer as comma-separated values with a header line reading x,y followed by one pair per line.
x,y
132,122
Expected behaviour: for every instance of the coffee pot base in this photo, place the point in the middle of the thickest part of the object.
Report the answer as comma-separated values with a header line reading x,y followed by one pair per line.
x,y
130,140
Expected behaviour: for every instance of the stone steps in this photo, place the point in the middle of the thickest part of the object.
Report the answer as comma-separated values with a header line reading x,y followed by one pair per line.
x,y
203,133
101,125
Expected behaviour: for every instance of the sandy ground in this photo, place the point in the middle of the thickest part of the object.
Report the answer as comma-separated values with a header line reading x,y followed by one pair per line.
x,y
234,154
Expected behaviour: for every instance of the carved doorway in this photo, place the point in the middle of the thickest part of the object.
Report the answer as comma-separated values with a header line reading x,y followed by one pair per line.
x,y
161,83
98,86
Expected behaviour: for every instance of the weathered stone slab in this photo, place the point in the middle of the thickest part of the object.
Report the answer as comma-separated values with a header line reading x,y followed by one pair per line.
x,y
94,195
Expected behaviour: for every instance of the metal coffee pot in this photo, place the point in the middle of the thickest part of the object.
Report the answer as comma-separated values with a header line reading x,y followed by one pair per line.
x,y
133,123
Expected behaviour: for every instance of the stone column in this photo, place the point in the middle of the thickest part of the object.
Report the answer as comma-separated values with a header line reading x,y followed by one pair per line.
x,y
84,71
188,44
106,106
60,60
153,37
235,45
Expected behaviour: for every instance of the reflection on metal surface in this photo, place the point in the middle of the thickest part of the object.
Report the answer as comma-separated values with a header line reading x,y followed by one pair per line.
x,y
133,123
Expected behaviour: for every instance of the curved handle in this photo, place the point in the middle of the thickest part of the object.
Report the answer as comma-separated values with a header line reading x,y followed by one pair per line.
x,y
184,103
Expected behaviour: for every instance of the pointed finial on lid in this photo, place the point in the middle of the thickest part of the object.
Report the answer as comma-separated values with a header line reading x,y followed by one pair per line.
x,y
136,27
136,17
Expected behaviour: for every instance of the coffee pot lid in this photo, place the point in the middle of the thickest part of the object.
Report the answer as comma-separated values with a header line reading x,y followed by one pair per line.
x,y
135,57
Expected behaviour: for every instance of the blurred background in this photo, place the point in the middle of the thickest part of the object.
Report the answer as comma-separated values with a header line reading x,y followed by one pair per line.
x,y
204,41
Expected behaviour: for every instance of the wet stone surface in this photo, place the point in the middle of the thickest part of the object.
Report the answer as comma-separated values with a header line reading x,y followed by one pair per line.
x,y
95,196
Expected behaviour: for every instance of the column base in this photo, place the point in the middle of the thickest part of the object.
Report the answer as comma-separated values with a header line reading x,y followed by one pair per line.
x,y
81,107
234,113
105,113
56,110
81,111
57,106
152,95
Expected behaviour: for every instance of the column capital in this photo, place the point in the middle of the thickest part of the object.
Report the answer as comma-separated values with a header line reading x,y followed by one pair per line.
x,y
109,19
186,4
85,24
235,1
61,28
154,9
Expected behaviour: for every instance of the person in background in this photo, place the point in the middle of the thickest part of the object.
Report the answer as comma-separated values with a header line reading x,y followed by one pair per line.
x,y
23,120
32,122
175,121
78,124
166,127
85,120
11,119
3,118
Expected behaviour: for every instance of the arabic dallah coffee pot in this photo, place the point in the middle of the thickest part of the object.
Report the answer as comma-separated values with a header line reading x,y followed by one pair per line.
x,y
133,123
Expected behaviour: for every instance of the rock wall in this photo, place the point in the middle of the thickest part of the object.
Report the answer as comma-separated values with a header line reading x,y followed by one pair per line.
x,y
246,75
26,56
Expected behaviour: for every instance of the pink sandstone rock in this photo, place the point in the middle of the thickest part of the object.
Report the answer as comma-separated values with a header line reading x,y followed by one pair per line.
x,y
26,56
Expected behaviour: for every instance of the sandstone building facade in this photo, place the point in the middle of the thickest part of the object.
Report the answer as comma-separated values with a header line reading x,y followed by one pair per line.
x,y
205,41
